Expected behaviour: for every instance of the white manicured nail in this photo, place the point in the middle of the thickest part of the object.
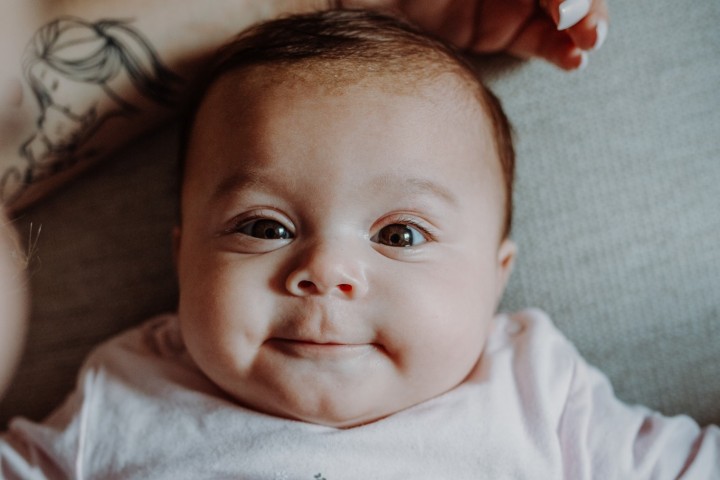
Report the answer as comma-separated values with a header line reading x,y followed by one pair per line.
x,y
571,12
601,30
584,58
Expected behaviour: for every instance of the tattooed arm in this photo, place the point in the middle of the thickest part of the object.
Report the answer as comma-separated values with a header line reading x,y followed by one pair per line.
x,y
79,78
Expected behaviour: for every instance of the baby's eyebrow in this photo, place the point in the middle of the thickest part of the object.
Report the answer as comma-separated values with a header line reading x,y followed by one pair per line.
x,y
238,181
414,186
409,185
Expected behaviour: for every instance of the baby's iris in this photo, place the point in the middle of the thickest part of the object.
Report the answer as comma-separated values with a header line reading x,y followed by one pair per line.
x,y
266,229
399,235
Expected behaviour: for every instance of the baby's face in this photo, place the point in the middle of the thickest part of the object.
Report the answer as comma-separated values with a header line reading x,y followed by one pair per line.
x,y
340,255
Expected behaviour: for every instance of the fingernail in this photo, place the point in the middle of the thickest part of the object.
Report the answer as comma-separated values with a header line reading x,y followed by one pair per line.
x,y
601,31
571,12
584,58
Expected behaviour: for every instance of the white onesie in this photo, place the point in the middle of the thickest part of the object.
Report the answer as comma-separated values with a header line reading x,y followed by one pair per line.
x,y
532,408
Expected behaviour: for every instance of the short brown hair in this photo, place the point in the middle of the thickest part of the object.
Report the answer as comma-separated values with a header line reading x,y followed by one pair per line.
x,y
356,37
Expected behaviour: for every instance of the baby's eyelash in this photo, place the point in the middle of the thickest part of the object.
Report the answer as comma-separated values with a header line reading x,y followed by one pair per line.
x,y
238,222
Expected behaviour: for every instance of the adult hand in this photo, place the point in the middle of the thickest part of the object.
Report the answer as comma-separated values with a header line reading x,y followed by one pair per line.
x,y
559,31
13,301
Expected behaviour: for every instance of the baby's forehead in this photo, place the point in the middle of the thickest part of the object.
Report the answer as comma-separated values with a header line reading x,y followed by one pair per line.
x,y
250,98
445,81
239,96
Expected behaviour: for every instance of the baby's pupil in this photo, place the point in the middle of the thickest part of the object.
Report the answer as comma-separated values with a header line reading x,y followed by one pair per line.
x,y
269,230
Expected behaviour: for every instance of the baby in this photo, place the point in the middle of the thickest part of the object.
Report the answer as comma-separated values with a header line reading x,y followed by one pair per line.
x,y
342,250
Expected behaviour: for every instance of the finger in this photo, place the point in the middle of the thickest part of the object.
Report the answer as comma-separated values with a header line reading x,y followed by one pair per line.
x,y
590,33
540,38
497,23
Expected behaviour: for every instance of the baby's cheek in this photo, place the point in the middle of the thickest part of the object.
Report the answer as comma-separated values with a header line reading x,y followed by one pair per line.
x,y
431,334
459,316
216,336
439,357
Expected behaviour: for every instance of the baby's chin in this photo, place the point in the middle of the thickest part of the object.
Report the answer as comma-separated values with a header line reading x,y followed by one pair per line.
x,y
338,411
342,417
348,409
346,415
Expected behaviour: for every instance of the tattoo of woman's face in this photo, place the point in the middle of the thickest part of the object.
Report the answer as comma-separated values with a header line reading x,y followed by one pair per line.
x,y
81,75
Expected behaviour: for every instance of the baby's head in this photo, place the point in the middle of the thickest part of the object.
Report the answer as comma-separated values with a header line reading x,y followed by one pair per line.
x,y
345,211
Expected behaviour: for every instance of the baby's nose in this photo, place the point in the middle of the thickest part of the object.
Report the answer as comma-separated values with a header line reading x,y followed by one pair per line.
x,y
327,271
309,288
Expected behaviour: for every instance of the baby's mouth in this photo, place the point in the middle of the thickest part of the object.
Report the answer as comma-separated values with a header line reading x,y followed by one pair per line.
x,y
317,350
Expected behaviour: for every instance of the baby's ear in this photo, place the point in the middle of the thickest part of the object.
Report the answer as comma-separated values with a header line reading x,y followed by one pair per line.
x,y
506,260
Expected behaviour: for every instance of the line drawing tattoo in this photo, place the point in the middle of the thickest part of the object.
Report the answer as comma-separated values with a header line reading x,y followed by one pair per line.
x,y
82,74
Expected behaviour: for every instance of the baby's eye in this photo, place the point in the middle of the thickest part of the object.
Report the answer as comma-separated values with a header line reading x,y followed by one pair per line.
x,y
399,235
265,229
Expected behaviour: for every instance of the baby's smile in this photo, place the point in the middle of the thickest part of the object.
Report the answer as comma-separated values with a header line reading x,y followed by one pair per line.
x,y
317,332
321,350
